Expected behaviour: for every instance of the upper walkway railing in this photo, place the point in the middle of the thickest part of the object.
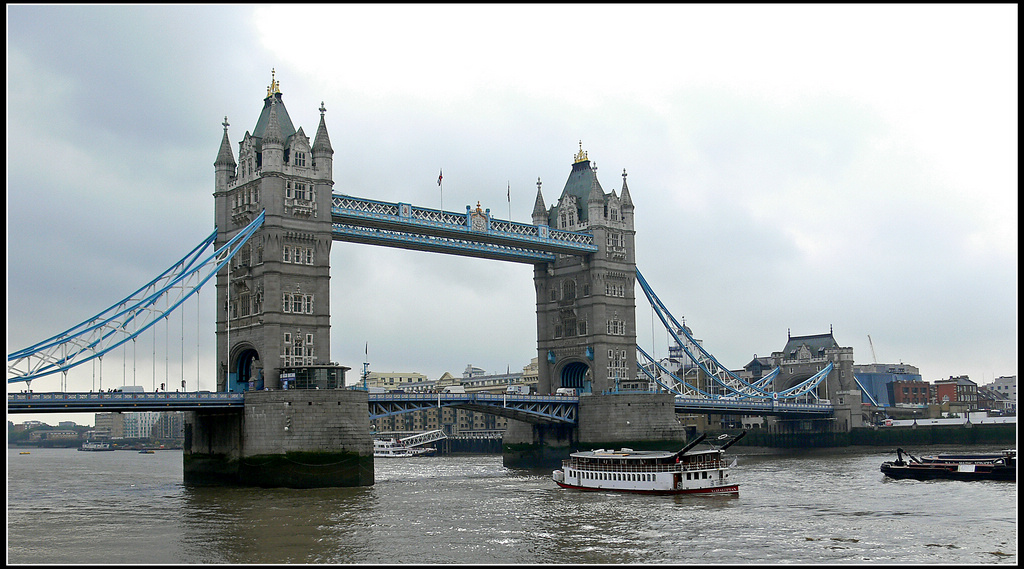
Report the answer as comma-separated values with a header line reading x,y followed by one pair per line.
x,y
473,233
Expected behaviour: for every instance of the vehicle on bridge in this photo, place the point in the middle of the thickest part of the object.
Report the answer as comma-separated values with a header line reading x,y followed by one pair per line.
x,y
650,472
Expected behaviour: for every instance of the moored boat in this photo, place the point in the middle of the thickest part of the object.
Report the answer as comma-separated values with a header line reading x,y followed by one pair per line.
x,y
686,471
984,466
95,446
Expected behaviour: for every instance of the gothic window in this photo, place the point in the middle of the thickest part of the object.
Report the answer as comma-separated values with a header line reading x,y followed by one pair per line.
x,y
297,301
287,302
259,255
309,256
288,190
568,289
616,327
300,158
287,254
569,325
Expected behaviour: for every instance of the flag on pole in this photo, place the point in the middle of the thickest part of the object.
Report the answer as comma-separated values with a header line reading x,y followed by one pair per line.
x,y
439,176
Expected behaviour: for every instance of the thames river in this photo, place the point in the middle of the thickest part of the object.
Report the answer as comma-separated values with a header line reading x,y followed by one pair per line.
x,y
827,506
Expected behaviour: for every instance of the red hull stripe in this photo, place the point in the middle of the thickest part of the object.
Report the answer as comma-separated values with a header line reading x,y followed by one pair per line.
x,y
733,489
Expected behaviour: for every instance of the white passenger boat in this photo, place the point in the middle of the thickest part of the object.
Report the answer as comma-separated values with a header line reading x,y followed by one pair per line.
x,y
650,472
95,446
391,448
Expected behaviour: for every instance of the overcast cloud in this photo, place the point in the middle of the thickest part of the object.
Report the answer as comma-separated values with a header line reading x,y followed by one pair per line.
x,y
794,168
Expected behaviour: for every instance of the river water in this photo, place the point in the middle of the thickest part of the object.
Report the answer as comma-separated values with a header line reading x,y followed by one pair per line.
x,y
804,506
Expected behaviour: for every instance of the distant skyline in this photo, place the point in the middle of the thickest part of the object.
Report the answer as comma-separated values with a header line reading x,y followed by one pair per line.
x,y
793,168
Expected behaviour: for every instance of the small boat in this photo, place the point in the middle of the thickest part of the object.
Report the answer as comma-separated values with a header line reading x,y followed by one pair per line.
x,y
95,446
147,451
984,466
24,452
686,471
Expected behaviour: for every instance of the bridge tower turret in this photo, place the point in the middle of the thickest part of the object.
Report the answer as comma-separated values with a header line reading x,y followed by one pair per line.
x,y
225,164
273,305
586,325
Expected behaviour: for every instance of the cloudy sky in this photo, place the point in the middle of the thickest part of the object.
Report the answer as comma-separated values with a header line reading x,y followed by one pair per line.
x,y
793,168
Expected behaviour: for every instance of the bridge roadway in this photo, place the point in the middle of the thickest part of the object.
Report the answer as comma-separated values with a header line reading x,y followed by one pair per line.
x,y
549,409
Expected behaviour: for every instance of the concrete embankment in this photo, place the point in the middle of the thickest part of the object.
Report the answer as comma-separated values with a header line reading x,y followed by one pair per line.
x,y
983,434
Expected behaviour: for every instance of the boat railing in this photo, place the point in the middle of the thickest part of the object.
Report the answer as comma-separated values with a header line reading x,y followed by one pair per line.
x,y
673,467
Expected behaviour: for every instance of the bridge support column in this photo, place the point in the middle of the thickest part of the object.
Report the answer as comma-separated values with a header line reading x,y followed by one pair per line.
x,y
641,421
294,439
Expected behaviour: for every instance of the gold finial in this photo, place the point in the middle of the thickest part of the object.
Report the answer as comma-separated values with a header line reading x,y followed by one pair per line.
x,y
274,87
478,210
581,156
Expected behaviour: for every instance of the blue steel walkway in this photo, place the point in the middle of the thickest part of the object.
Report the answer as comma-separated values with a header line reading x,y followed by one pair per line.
x,y
549,409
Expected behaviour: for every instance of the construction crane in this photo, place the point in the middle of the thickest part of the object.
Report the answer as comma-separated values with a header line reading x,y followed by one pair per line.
x,y
874,358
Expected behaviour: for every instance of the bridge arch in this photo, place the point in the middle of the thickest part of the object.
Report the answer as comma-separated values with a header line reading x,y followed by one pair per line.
x,y
573,373
246,370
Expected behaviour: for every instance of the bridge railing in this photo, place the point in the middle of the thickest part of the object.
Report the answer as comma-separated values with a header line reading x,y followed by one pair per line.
x,y
118,400
407,214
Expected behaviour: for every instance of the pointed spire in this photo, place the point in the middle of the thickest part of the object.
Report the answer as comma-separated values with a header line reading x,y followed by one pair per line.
x,y
540,212
596,193
626,200
322,142
273,134
225,157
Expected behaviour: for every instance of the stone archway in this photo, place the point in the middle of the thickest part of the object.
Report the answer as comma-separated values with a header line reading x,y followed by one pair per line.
x,y
574,374
247,372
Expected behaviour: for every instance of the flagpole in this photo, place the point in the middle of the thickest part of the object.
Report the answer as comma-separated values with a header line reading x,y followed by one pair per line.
x,y
508,194
440,175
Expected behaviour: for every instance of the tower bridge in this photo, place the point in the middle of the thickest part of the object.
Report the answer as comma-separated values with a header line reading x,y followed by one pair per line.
x,y
277,216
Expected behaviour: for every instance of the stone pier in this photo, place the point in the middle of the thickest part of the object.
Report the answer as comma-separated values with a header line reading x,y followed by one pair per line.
x,y
641,421
298,438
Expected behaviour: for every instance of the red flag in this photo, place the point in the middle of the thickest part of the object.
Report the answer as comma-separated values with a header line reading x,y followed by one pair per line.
x,y
439,176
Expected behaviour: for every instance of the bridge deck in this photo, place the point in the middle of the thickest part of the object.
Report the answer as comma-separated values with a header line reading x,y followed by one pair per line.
x,y
529,408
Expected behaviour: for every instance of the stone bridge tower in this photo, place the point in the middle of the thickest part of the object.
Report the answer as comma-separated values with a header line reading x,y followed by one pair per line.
x,y
586,325
273,310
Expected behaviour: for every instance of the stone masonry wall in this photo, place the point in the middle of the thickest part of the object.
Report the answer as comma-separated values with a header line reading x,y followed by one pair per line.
x,y
304,420
629,417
